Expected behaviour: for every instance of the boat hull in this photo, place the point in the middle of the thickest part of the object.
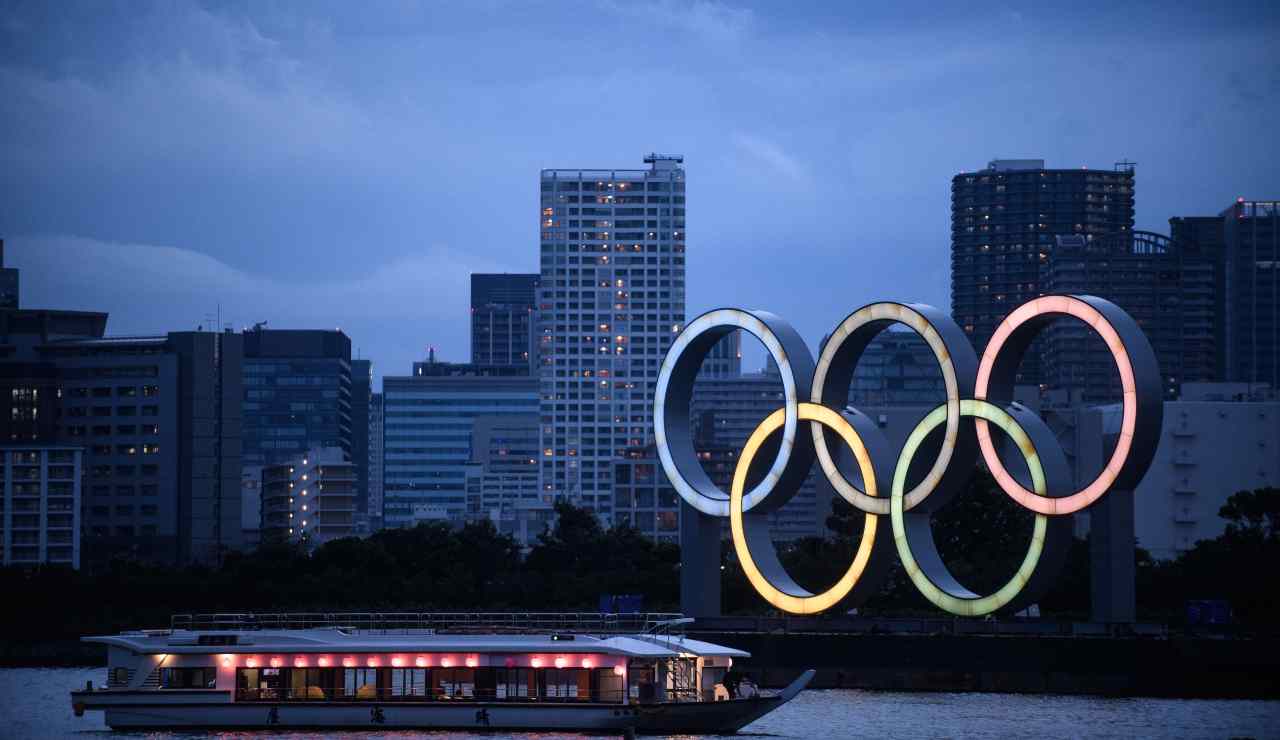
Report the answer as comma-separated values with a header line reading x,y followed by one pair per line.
x,y
399,715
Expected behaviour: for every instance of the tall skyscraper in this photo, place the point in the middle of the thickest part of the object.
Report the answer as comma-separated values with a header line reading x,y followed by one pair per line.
x,y
611,300
297,393
502,307
1004,221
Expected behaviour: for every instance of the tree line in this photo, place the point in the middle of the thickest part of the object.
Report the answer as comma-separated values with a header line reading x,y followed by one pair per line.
x,y
434,567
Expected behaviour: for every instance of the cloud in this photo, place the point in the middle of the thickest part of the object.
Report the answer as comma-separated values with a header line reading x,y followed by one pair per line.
x,y
151,289
773,156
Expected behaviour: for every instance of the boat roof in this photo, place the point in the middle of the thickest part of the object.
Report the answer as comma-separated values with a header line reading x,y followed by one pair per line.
x,y
338,640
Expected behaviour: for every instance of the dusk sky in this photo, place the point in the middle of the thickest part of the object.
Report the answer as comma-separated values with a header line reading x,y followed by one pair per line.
x,y
327,165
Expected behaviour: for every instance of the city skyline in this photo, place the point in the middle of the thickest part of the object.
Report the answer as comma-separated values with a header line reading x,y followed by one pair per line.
x,y
408,220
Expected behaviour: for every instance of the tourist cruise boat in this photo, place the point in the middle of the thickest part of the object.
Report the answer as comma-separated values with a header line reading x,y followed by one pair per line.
x,y
561,672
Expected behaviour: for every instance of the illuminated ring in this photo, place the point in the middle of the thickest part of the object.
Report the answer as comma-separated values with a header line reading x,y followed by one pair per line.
x,y
913,534
674,392
956,359
1143,406
751,530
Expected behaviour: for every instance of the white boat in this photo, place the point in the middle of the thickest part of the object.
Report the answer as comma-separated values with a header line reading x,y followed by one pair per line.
x,y
594,673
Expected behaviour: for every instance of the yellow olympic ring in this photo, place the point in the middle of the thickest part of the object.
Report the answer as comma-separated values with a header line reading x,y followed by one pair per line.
x,y
791,597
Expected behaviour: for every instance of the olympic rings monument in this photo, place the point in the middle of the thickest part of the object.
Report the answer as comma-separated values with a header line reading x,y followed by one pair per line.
x,y
814,424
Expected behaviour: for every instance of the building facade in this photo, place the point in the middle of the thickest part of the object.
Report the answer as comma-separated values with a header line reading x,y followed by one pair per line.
x,y
310,500
40,519
1004,224
1171,288
361,394
297,393
1215,441
503,477
611,300
428,423
159,419
502,318
1251,243
375,462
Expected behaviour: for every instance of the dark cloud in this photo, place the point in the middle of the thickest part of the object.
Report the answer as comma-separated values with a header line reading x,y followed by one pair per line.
x,y
365,151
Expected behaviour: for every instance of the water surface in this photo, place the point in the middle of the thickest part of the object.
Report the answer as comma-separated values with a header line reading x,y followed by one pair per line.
x,y
34,703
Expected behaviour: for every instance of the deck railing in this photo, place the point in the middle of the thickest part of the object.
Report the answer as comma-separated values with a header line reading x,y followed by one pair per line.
x,y
435,622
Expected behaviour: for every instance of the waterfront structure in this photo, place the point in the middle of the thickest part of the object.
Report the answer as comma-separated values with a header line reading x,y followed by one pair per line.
x,y
376,452
361,398
611,299
428,423
502,318
309,500
297,393
817,392
1004,220
40,519
628,673
1169,287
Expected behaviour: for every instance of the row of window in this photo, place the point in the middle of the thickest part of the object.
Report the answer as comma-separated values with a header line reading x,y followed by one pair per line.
x,y
124,391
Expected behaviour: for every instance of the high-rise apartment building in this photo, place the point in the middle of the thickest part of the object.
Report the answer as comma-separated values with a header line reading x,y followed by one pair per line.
x,y
428,423
502,308
1171,288
1245,239
297,393
1004,224
611,300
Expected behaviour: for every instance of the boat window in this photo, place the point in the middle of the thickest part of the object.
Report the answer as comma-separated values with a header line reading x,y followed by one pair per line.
x,y
453,683
568,683
258,683
188,678
362,683
515,683
408,681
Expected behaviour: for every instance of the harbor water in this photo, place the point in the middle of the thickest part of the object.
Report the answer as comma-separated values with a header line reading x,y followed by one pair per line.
x,y
34,703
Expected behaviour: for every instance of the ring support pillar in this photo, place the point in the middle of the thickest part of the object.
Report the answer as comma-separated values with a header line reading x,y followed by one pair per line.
x,y
699,562
1111,552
